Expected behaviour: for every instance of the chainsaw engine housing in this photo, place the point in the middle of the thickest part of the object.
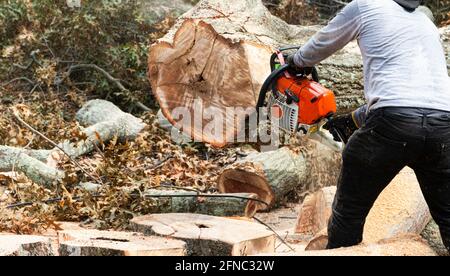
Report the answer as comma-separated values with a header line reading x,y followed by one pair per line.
x,y
298,102
314,101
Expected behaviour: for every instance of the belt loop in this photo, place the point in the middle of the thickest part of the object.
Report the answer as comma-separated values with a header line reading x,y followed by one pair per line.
x,y
424,120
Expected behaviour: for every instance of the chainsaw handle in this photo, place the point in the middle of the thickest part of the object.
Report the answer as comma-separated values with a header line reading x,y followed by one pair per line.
x,y
267,85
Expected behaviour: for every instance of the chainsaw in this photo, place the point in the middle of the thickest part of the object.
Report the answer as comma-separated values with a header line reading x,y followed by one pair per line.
x,y
299,103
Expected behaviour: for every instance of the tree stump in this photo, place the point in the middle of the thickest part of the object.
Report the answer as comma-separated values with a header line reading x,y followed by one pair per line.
x,y
208,235
23,245
111,243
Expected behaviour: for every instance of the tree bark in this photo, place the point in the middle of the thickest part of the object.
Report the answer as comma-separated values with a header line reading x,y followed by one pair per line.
x,y
219,52
208,235
433,236
405,245
111,243
399,209
272,175
190,202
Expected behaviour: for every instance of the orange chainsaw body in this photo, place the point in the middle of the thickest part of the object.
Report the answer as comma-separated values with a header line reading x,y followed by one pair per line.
x,y
315,101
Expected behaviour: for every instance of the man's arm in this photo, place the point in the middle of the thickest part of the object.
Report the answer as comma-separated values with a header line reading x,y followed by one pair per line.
x,y
345,27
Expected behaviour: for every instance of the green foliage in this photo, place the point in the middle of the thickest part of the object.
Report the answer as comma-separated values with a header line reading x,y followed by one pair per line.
x,y
52,37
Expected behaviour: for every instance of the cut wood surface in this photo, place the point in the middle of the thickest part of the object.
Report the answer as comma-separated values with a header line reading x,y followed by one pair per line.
x,y
111,243
208,235
315,211
405,245
226,205
23,245
401,208
272,175
219,52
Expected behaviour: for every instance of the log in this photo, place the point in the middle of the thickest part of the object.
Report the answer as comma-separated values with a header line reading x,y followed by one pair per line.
x,y
272,175
208,235
112,243
404,245
41,155
227,205
104,120
400,209
18,245
219,51
37,171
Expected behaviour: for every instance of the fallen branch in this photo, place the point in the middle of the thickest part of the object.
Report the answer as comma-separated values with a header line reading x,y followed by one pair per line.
x,y
100,70
109,77
18,79
105,122
60,174
34,169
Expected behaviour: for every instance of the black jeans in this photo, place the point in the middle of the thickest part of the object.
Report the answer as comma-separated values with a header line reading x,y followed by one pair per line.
x,y
391,139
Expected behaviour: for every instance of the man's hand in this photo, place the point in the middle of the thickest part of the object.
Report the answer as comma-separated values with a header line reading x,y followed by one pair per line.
x,y
296,70
341,127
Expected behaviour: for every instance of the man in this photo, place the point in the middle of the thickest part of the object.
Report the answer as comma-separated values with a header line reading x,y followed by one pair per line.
x,y
407,119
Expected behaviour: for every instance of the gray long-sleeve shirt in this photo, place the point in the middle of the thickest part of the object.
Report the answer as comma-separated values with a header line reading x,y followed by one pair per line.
x,y
404,61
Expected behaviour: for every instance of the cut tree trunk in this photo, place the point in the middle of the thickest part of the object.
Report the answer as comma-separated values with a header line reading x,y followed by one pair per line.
x,y
272,175
401,208
405,245
208,235
111,243
18,245
219,52
225,205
